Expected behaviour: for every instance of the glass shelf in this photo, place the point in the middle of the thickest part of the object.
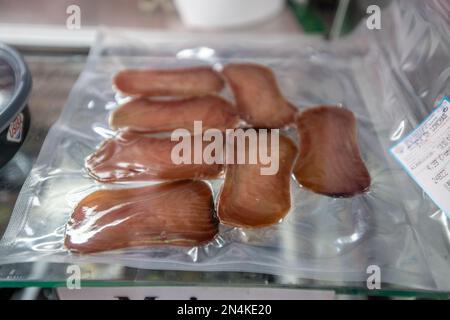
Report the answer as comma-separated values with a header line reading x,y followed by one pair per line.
x,y
101,275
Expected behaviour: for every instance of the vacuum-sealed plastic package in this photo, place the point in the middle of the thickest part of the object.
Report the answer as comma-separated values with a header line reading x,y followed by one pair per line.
x,y
331,232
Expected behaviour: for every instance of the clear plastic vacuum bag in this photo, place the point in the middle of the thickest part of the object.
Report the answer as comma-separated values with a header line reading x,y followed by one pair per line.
x,y
390,86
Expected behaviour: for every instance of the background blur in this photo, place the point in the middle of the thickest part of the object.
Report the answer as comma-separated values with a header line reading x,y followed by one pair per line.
x,y
43,22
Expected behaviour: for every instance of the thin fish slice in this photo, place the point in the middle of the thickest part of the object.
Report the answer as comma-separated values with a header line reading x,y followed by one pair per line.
x,y
249,199
329,162
145,115
135,157
258,98
177,213
188,82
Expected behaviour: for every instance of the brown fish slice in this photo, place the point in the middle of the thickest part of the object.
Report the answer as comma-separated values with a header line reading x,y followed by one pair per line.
x,y
329,162
135,157
177,213
258,98
248,198
145,115
187,82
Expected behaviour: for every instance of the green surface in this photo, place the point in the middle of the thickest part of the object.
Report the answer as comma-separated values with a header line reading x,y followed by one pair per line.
x,y
317,17
310,21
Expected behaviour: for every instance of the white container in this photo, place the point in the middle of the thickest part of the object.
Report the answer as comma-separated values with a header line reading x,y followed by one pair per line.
x,y
226,13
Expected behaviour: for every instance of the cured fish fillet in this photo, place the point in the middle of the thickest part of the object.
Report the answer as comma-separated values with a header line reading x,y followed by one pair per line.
x,y
145,115
258,98
249,199
329,162
188,82
177,213
134,157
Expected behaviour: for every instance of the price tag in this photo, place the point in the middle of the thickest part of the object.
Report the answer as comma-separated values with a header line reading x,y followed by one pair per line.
x,y
425,155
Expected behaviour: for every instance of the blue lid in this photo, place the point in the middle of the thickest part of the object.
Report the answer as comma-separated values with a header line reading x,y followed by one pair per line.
x,y
15,85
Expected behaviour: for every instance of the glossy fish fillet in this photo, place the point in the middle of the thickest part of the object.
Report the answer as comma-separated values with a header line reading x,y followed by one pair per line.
x,y
177,213
258,98
188,82
250,199
329,162
145,115
134,157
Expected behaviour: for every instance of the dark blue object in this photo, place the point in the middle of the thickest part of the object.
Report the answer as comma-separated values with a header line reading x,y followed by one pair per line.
x,y
15,87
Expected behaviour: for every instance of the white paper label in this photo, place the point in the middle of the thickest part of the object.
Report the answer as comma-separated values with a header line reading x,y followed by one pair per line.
x,y
425,155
